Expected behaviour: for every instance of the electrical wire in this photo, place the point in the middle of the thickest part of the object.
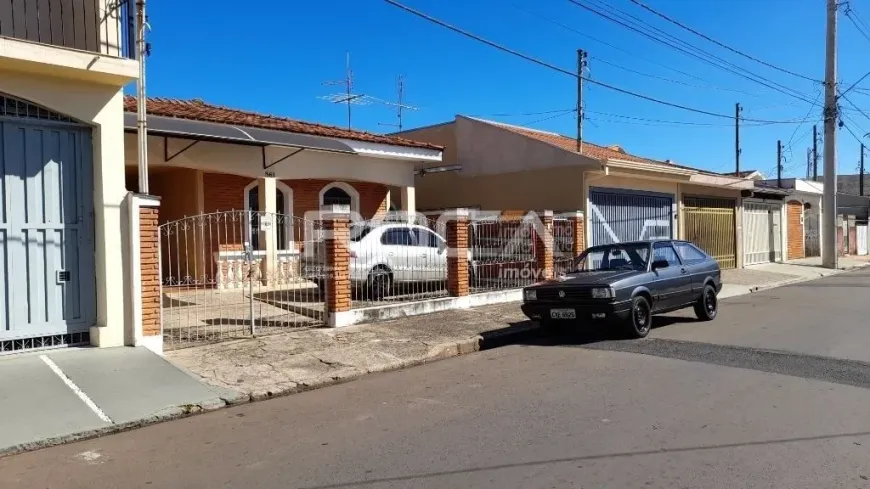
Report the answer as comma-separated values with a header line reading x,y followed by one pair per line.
x,y
719,63
704,36
564,113
687,123
707,84
562,70
856,21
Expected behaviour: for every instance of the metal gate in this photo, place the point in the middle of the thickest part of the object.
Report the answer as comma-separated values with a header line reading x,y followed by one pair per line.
x,y
812,236
709,223
619,216
215,285
47,294
861,236
762,230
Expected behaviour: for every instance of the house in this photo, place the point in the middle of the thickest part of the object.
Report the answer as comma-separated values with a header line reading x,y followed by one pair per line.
x,y
749,174
624,196
241,195
62,271
802,210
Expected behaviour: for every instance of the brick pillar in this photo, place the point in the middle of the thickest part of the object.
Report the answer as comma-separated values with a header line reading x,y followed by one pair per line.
x,y
336,227
544,245
578,232
145,325
457,253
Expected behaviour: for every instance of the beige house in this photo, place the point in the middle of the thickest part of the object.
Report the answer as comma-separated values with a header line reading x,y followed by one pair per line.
x,y
62,273
623,196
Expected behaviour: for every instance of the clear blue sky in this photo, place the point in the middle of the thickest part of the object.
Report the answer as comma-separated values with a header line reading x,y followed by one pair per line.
x,y
272,55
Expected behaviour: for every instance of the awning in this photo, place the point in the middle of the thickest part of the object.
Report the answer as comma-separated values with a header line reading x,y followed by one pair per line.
x,y
211,131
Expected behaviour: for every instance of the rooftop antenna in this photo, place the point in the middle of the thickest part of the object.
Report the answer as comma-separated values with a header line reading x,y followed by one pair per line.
x,y
399,104
348,97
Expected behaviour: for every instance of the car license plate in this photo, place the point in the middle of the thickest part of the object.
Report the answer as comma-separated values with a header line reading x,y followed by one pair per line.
x,y
563,314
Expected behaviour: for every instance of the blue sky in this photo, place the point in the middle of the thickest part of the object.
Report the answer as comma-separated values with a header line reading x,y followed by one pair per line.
x,y
271,56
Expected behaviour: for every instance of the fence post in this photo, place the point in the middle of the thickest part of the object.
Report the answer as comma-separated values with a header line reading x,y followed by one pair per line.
x,y
336,227
578,232
544,246
457,253
146,324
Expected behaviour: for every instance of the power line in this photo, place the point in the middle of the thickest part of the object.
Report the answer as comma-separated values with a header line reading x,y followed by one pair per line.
x,y
856,21
523,114
719,63
704,36
564,113
688,123
562,70
707,84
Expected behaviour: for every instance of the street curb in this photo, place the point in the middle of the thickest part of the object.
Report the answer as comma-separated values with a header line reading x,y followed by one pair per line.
x,y
485,341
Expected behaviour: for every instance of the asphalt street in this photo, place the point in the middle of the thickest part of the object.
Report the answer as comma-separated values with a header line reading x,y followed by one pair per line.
x,y
774,393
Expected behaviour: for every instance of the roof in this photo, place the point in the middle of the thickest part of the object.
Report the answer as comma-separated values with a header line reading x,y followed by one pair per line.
x,y
742,174
198,110
613,152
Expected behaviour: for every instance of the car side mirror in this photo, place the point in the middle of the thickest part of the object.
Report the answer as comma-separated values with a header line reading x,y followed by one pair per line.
x,y
659,264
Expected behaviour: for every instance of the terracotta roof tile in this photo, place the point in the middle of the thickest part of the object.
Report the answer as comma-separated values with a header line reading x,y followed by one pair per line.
x,y
201,111
570,144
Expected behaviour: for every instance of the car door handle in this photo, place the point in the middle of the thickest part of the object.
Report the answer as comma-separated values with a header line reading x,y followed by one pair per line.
x,y
684,271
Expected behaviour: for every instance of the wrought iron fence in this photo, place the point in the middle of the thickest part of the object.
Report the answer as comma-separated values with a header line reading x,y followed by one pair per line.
x,y
502,252
395,261
237,274
563,246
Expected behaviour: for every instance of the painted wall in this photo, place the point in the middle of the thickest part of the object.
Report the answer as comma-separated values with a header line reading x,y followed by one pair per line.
x,y
99,106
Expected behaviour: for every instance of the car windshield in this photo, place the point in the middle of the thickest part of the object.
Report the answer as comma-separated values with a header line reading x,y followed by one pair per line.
x,y
613,257
359,231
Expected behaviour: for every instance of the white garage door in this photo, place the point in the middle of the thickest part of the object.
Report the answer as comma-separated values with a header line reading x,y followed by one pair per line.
x,y
762,233
46,226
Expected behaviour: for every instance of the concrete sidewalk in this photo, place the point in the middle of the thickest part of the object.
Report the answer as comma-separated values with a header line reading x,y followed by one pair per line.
x,y
56,396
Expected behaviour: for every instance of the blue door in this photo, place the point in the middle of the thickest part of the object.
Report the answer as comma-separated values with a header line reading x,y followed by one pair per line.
x,y
46,227
619,215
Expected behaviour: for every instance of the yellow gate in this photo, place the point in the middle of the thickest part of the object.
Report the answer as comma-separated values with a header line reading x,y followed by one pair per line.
x,y
709,224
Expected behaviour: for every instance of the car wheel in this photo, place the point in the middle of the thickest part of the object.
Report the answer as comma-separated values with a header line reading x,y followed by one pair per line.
x,y
708,304
640,321
379,283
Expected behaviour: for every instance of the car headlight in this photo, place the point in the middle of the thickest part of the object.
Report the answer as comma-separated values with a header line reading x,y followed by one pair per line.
x,y
530,295
602,293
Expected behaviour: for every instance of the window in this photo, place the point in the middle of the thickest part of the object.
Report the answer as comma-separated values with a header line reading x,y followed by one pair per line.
x,y
665,252
689,253
359,231
427,238
397,237
337,196
613,257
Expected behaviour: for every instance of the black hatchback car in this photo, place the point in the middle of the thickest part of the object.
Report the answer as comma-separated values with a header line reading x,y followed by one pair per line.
x,y
626,283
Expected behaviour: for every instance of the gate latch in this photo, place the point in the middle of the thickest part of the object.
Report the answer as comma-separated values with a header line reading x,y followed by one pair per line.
x,y
62,276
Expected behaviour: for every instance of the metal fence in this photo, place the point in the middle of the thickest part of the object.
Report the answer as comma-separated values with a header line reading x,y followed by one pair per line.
x,y
502,253
396,261
221,280
563,246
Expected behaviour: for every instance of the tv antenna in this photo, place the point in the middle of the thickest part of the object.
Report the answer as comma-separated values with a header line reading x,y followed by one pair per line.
x,y
399,104
348,97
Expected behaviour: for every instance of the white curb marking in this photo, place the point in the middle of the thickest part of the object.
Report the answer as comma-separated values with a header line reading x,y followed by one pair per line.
x,y
69,383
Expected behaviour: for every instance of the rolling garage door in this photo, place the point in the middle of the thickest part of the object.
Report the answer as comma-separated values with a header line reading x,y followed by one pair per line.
x,y
710,225
620,215
46,227
762,225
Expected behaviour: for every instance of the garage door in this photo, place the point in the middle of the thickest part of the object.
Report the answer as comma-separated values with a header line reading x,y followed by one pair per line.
x,y
762,232
710,225
46,231
619,216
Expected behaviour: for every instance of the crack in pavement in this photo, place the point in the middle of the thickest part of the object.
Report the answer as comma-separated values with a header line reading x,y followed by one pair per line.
x,y
838,371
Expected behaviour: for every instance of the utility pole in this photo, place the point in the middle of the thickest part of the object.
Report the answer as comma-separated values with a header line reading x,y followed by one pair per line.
x,y
815,154
141,97
861,170
737,111
779,163
809,162
581,64
829,209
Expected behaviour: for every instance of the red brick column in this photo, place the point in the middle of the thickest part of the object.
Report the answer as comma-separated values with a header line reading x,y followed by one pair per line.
x,y
336,227
544,245
578,232
457,253
149,261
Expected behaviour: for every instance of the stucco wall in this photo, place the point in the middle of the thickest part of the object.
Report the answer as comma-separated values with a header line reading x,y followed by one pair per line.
x,y
100,107
443,135
553,188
